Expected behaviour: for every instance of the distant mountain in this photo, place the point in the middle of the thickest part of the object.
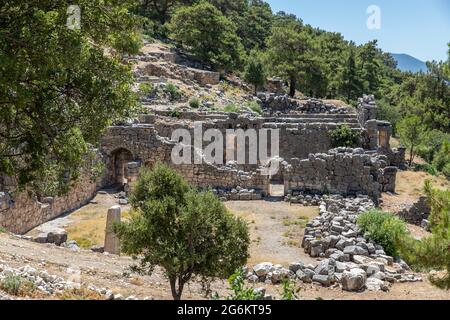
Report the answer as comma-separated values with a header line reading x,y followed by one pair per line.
x,y
408,63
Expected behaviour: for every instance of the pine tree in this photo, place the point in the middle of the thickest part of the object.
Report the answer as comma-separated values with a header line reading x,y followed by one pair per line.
x,y
351,81
255,73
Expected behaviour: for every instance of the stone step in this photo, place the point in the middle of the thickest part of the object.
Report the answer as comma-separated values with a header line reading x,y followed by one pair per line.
x,y
324,120
316,123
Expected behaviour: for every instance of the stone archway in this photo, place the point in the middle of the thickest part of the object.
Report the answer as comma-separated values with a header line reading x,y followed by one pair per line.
x,y
117,166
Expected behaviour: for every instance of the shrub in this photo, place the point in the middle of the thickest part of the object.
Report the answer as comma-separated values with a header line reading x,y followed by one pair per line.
x,y
194,103
187,233
428,168
344,136
385,229
240,291
146,88
3,230
255,107
442,158
17,286
175,113
173,90
289,292
231,108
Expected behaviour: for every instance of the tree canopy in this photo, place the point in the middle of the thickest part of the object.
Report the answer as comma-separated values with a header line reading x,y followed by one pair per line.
x,y
211,36
59,88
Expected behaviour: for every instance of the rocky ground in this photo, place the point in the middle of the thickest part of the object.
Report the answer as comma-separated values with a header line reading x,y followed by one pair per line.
x,y
59,270
111,273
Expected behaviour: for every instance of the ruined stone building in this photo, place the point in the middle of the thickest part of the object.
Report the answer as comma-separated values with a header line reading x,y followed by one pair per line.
x,y
306,160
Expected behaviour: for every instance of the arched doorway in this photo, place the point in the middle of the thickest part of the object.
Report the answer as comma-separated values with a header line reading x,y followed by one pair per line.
x,y
119,159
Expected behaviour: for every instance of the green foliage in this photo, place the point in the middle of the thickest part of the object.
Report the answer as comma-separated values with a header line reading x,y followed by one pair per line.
x,y
352,83
232,108
181,230
3,230
194,103
289,292
11,284
175,113
255,107
289,51
431,144
146,88
344,136
240,291
254,24
58,85
17,286
442,159
426,168
255,72
208,34
412,133
385,229
173,91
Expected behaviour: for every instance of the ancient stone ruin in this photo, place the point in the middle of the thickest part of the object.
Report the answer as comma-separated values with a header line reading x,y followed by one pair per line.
x,y
307,162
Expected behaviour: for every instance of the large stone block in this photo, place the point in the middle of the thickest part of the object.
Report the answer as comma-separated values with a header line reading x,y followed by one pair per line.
x,y
112,244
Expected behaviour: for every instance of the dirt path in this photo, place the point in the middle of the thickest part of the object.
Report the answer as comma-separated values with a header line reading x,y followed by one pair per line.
x,y
276,230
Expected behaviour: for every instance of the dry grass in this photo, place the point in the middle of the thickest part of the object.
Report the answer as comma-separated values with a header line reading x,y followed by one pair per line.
x,y
276,229
89,226
79,294
409,187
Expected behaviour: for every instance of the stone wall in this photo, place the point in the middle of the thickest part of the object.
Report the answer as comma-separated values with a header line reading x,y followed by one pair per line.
x,y
341,171
276,102
20,212
300,135
417,212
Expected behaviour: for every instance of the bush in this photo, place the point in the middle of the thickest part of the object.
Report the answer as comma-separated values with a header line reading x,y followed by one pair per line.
x,y
255,107
186,232
344,136
240,291
385,229
175,113
17,286
232,108
442,158
289,292
426,168
194,103
146,88
173,90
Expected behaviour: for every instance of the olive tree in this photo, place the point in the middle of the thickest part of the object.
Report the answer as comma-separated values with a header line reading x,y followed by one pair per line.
x,y
186,232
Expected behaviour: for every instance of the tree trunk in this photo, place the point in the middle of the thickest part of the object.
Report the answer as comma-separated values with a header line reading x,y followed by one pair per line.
x,y
411,156
176,292
293,81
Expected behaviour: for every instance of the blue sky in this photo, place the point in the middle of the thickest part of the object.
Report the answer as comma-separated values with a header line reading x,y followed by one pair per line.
x,y
420,28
